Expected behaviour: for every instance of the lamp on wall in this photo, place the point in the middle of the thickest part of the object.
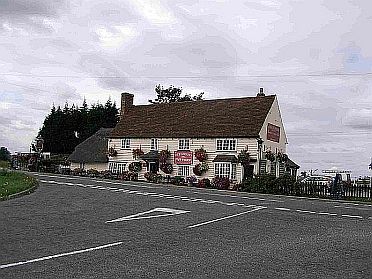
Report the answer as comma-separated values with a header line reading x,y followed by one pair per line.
x,y
259,144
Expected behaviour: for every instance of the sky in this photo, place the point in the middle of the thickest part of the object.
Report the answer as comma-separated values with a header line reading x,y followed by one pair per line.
x,y
316,56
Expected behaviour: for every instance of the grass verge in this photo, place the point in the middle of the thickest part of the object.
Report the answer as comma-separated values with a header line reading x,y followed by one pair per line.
x,y
4,164
13,183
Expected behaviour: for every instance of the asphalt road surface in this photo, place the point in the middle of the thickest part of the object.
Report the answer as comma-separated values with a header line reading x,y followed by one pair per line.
x,y
73,227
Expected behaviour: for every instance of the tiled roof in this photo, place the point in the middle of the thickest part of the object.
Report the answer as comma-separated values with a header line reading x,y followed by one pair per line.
x,y
237,117
292,164
93,149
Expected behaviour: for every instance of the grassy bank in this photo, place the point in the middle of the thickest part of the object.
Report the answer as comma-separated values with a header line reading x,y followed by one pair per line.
x,y
13,182
4,164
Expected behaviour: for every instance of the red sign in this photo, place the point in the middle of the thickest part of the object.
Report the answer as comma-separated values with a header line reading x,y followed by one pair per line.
x,y
183,157
273,132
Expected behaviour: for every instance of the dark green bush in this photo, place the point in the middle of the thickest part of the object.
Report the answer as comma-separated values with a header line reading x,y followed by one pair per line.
x,y
221,183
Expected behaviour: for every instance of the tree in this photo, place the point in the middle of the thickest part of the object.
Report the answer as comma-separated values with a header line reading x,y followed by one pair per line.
x,y
65,128
173,94
4,154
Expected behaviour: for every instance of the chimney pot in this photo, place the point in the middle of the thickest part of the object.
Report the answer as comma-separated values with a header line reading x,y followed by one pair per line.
x,y
261,93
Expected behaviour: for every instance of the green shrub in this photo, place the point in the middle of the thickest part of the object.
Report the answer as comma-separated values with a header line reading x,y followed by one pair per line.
x,y
269,184
204,183
221,183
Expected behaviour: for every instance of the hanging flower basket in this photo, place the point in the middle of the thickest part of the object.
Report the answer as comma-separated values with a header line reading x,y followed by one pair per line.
x,y
164,155
166,168
199,169
135,167
244,157
282,157
112,152
201,154
270,156
137,153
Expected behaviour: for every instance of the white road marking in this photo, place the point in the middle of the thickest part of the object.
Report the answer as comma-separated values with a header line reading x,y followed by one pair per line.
x,y
282,208
224,218
306,211
327,213
60,255
168,211
352,216
96,180
183,198
234,196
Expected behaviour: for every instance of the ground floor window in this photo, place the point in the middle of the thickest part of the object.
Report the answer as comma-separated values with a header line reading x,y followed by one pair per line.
x,y
117,167
225,170
183,170
273,168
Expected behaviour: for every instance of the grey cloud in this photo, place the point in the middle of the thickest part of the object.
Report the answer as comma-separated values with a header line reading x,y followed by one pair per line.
x,y
29,15
26,7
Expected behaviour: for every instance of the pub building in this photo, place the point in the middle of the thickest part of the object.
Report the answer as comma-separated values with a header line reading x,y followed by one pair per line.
x,y
234,138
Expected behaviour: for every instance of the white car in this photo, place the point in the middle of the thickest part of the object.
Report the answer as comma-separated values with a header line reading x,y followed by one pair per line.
x,y
318,179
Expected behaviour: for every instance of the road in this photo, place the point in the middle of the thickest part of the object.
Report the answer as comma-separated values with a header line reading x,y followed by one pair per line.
x,y
73,227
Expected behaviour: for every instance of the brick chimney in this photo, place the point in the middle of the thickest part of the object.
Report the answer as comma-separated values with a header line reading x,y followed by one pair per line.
x,y
126,102
261,93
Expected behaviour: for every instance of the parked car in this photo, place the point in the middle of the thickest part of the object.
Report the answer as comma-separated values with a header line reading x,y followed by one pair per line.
x,y
318,179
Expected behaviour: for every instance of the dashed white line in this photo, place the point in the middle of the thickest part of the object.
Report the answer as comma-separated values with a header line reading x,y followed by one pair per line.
x,y
60,255
305,211
352,216
282,208
183,198
327,213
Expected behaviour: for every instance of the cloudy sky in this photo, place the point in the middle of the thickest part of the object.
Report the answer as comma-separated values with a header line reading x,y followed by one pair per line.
x,y
315,55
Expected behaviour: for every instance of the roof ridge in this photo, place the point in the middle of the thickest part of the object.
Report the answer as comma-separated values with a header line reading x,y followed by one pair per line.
x,y
208,100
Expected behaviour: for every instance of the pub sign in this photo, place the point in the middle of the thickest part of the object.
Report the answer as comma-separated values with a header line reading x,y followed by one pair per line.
x,y
273,132
183,157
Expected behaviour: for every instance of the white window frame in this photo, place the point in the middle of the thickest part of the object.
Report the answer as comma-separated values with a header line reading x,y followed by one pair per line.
x,y
226,144
225,169
154,144
117,167
183,170
125,143
183,144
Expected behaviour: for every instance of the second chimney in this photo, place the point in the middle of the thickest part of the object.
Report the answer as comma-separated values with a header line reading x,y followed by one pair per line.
x,y
126,102
261,93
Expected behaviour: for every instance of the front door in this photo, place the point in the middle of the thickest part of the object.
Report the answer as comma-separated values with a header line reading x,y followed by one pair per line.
x,y
248,171
153,167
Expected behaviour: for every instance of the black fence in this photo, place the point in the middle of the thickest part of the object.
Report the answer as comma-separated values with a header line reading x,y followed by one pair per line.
x,y
343,190
286,185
